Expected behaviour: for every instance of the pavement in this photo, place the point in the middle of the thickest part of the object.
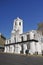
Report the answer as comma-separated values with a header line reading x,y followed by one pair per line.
x,y
16,59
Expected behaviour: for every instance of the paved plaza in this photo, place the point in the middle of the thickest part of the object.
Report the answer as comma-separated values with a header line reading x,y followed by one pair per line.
x,y
14,59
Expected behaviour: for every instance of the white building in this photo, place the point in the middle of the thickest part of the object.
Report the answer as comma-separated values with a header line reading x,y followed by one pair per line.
x,y
20,42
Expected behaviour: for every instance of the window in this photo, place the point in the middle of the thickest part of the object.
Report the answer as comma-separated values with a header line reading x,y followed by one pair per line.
x,y
22,38
15,39
34,35
19,23
7,41
28,37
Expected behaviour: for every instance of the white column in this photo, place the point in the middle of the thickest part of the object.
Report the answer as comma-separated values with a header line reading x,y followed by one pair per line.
x,y
5,49
32,47
32,43
31,35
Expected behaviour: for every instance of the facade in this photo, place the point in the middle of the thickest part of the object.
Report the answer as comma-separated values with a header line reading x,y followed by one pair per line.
x,y
19,42
2,42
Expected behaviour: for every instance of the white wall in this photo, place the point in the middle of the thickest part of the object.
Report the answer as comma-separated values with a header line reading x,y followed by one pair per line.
x,y
32,47
38,48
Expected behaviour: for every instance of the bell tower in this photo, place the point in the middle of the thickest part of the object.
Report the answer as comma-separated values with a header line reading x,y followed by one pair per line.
x,y
17,29
18,25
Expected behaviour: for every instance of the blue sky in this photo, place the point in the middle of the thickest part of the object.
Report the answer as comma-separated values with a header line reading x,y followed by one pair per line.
x,y
31,11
